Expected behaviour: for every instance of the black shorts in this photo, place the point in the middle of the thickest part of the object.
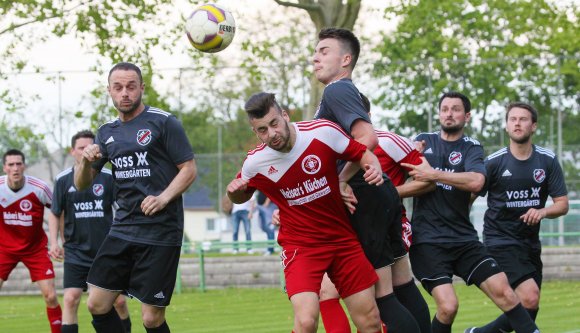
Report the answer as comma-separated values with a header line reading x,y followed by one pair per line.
x,y
145,272
377,221
435,264
75,276
519,262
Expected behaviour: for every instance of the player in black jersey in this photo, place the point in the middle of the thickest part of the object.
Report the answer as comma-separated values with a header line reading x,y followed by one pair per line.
x,y
153,164
377,217
444,240
83,218
520,178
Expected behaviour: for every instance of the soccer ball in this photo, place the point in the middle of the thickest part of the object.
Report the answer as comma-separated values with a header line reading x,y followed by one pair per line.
x,y
210,28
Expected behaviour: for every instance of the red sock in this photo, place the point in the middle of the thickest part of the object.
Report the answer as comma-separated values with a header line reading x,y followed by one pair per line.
x,y
333,316
383,328
54,318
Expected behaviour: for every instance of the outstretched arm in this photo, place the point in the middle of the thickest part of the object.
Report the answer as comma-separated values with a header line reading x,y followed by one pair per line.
x,y
465,181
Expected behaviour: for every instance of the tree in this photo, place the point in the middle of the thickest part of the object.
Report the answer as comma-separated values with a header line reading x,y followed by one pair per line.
x,y
325,13
494,51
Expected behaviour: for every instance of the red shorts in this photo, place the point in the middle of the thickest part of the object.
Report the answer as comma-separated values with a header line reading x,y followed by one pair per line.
x,y
347,267
38,264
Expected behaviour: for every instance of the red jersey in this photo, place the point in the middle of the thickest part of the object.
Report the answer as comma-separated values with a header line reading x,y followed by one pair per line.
x,y
303,183
393,150
21,216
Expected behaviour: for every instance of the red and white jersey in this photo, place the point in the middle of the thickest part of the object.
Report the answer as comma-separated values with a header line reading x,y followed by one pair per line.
x,y
22,214
393,150
303,183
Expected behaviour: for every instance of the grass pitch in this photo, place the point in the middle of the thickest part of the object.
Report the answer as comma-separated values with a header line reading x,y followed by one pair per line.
x,y
269,311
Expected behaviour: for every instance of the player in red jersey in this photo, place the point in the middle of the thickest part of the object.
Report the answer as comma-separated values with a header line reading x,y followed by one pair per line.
x,y
296,168
392,150
22,202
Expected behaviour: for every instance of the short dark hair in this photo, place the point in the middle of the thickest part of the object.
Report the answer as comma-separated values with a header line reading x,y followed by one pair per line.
x,y
522,105
258,105
126,66
346,38
366,102
13,152
455,94
87,134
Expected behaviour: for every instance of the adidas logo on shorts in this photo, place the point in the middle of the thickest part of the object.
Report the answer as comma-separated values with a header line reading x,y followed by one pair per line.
x,y
159,295
48,272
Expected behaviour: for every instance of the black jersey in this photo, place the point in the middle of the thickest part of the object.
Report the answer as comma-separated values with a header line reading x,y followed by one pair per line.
x,y
513,187
341,103
442,216
88,214
144,153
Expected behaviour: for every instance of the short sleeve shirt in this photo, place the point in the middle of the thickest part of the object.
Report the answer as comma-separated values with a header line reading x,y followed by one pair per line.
x,y
144,153
341,103
22,216
303,183
442,216
513,187
88,214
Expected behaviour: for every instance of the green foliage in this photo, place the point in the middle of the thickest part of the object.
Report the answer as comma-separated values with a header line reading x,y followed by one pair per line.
x,y
494,51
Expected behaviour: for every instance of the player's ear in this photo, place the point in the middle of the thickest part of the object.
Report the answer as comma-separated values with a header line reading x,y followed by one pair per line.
x,y
467,116
346,60
285,115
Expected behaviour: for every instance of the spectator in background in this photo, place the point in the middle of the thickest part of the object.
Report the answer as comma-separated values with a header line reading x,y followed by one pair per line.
x,y
243,213
265,210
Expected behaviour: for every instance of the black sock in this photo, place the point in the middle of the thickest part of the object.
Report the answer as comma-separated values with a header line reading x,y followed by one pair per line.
x,y
69,328
502,323
127,324
395,316
439,327
161,329
410,297
108,322
520,320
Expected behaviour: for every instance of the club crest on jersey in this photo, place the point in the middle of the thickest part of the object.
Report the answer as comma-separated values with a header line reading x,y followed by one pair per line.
x,y
98,189
144,137
539,175
311,164
25,205
455,157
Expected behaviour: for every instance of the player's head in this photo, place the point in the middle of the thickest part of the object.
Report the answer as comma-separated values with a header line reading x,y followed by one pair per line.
x,y
335,54
270,123
126,87
14,164
520,121
79,142
454,112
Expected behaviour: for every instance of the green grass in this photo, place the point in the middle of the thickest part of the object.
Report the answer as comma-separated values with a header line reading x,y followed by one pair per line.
x,y
269,311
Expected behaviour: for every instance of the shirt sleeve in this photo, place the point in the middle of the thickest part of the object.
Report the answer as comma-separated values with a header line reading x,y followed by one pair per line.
x,y
474,160
556,185
176,142
346,104
58,197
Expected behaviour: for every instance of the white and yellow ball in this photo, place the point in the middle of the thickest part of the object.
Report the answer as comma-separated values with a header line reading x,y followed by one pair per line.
x,y
210,28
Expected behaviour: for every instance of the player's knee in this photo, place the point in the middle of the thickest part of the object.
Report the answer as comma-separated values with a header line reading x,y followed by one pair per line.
x,y
531,299
370,320
447,310
152,319
96,307
306,323
120,302
50,297
71,301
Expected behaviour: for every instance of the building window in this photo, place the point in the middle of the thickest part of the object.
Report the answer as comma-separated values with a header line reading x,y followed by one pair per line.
x,y
210,224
